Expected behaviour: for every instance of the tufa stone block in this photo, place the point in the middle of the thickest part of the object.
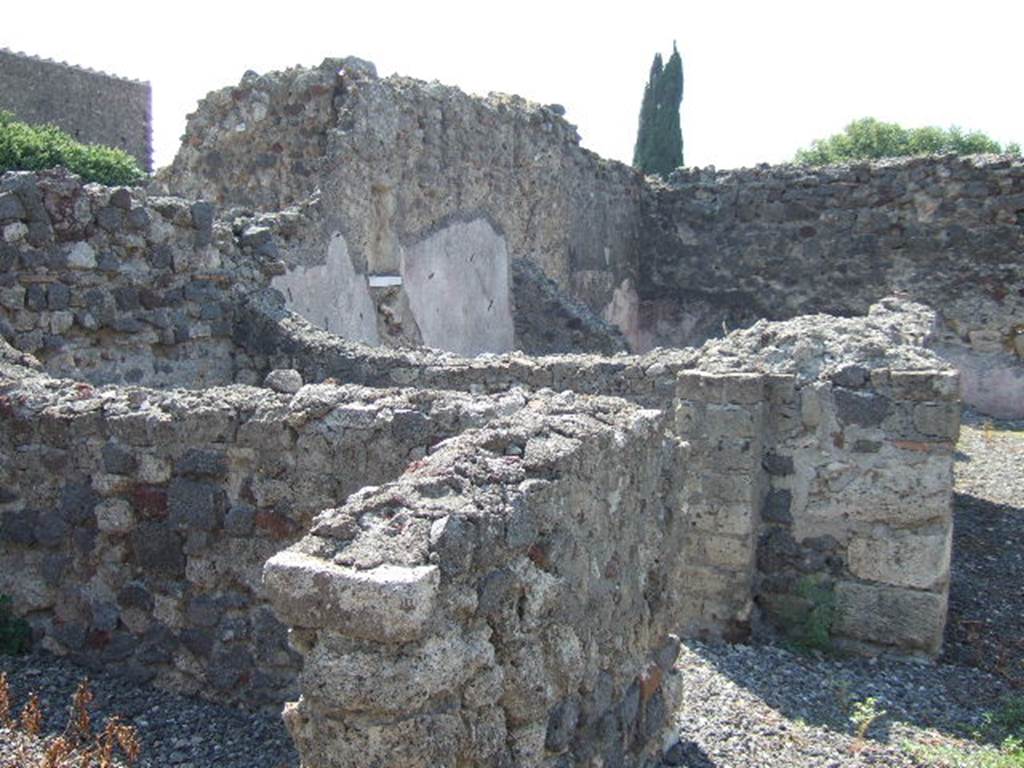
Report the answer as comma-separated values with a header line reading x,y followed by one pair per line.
x,y
388,603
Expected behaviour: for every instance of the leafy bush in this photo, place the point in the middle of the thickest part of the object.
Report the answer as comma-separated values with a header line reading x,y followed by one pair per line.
x,y
26,147
15,633
871,139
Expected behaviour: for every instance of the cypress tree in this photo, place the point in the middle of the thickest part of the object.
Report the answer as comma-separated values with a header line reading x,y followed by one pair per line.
x,y
659,139
648,110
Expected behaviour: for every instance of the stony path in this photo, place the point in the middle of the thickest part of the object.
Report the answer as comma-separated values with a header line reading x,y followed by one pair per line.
x,y
743,706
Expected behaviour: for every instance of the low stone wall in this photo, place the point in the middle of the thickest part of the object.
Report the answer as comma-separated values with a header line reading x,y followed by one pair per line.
x,y
509,601
725,248
274,337
134,523
111,285
485,567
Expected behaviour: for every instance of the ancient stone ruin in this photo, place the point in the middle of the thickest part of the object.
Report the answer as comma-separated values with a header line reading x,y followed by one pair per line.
x,y
245,451
94,107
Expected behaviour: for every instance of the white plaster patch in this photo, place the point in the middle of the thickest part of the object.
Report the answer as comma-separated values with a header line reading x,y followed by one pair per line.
x,y
623,311
992,383
457,283
332,295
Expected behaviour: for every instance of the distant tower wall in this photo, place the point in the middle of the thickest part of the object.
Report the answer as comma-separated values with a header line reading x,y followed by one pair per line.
x,y
93,107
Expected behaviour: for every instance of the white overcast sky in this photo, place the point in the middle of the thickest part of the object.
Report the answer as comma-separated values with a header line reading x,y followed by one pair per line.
x,y
761,78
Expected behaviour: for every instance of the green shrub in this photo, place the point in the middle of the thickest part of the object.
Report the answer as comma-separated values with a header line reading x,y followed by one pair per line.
x,y
871,139
26,147
15,634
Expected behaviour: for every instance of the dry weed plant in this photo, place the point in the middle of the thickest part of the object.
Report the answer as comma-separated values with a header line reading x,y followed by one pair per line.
x,y
77,747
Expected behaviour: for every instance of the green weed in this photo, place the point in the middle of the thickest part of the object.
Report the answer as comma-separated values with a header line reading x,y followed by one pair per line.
x,y
863,714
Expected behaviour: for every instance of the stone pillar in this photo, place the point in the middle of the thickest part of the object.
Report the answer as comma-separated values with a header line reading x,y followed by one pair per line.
x,y
722,417
857,524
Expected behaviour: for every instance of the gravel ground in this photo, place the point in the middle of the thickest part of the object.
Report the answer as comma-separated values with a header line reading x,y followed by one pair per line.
x,y
743,706
986,600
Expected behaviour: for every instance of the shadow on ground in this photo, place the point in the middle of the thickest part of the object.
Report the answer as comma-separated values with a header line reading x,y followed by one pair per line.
x,y
985,628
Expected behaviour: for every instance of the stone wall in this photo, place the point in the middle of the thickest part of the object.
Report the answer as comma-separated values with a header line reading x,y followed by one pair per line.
x,y
94,107
134,523
526,616
110,285
423,186
425,197
798,479
842,517
275,338
723,249
876,554
505,547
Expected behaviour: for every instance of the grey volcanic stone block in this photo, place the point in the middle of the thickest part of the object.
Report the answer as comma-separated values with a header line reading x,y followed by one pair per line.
x,y
11,207
861,408
202,463
195,504
239,520
119,460
51,528
777,507
157,548
562,721
17,527
135,595
58,296
202,219
287,381
78,502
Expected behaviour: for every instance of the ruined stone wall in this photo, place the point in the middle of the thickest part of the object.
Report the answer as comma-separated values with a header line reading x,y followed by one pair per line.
x,y
879,561
112,285
94,107
432,190
528,615
425,196
723,249
134,523
275,338
797,479
848,493
585,506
